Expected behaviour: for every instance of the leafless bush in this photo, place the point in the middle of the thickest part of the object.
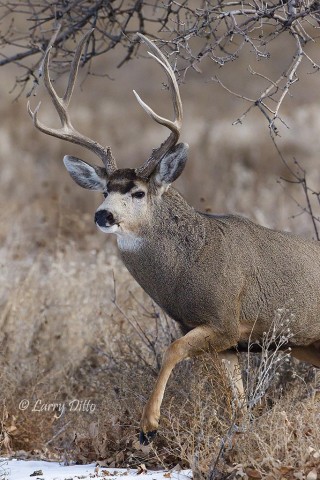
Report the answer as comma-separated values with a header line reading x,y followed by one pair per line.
x,y
283,440
258,379
300,177
222,32
4,437
200,424
152,342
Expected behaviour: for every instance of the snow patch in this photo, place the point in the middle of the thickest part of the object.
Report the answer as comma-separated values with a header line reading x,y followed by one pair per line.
x,y
28,470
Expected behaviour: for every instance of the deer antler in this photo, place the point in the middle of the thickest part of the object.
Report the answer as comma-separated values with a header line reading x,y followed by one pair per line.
x,y
68,132
175,126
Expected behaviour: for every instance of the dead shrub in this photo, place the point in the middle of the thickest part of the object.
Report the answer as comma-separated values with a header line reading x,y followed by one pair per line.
x,y
200,426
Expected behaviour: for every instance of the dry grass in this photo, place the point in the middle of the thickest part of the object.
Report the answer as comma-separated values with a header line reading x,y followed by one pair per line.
x,y
62,335
200,426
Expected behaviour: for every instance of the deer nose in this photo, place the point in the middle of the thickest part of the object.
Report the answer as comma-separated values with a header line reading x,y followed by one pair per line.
x,y
104,217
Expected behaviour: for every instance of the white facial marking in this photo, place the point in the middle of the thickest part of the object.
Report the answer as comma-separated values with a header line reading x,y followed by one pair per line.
x,y
129,243
112,229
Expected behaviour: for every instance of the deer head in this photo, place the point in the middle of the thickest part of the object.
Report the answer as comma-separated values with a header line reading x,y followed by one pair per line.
x,y
128,192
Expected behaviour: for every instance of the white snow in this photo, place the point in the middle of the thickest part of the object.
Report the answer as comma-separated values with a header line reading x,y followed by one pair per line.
x,y
23,470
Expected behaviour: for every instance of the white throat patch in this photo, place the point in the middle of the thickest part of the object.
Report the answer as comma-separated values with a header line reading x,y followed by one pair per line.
x,y
129,243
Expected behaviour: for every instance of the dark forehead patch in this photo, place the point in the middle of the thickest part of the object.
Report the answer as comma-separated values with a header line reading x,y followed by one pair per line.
x,y
121,186
122,181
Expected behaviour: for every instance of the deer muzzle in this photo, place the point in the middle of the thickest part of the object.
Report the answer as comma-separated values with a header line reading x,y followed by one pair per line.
x,y
104,218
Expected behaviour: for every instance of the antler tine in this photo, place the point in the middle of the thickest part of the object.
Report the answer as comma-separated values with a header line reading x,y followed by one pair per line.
x,y
75,66
68,132
175,126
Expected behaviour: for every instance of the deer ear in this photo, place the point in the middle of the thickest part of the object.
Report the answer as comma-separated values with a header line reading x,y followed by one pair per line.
x,y
86,175
172,165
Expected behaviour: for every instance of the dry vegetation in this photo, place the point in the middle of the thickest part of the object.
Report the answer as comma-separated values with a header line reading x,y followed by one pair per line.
x,y
69,331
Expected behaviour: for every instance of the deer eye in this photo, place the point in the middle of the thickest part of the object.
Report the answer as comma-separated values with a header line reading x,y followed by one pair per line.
x,y
105,194
139,194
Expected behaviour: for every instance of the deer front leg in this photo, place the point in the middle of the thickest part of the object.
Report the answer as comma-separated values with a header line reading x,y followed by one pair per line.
x,y
192,344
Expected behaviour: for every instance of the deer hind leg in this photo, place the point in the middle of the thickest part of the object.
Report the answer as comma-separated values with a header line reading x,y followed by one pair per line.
x,y
194,343
230,361
309,354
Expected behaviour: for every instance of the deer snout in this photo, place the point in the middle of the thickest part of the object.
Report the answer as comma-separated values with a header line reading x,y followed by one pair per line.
x,y
104,218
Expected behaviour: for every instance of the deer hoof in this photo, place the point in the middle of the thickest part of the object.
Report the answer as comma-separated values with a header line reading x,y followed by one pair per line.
x,y
146,438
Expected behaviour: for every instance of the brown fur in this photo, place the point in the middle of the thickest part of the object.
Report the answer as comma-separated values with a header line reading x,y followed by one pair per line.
x,y
222,278
226,271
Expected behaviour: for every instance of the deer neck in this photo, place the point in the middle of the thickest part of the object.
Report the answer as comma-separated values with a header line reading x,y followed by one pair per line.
x,y
165,248
173,224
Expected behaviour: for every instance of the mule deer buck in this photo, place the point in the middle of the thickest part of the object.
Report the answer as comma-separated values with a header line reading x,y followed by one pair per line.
x,y
221,277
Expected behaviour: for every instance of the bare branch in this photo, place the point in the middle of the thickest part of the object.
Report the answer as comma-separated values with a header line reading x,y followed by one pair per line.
x,y
223,31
